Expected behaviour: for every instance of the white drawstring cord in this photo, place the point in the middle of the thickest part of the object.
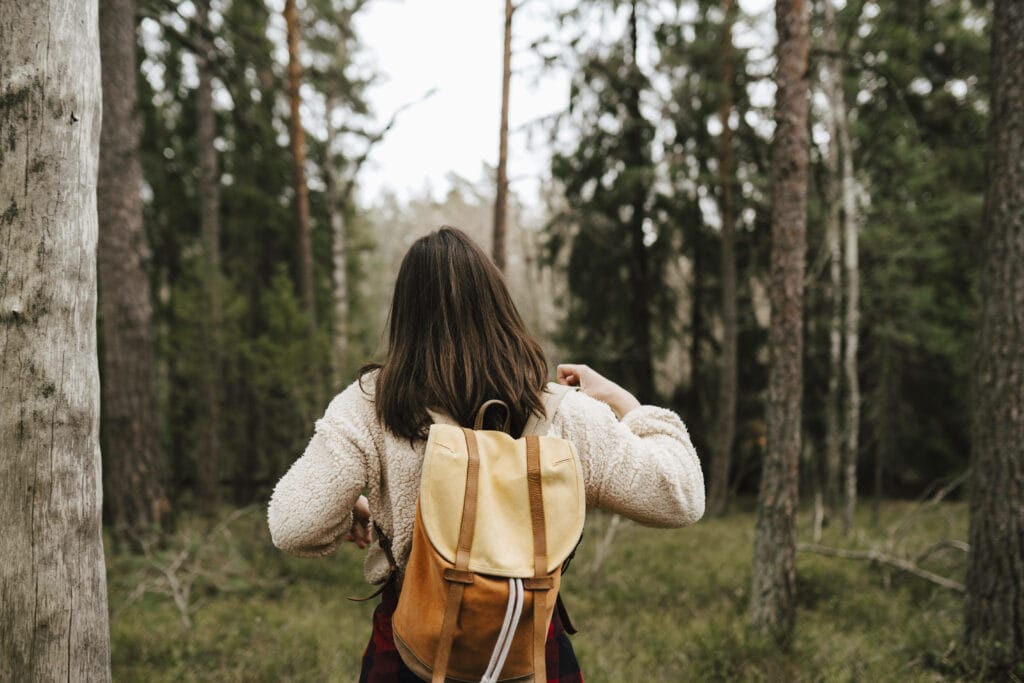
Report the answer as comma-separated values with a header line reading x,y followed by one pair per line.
x,y
511,631
509,608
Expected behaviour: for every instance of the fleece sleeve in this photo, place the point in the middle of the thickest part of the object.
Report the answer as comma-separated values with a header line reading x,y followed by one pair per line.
x,y
311,507
643,467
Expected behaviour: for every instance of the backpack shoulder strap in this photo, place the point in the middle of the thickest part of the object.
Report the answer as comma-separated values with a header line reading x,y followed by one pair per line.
x,y
553,395
441,418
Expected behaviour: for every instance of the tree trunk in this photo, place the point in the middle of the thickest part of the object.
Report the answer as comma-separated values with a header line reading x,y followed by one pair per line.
x,y
696,402
772,595
726,427
994,609
134,464
639,272
209,219
53,591
833,431
852,271
298,139
501,192
852,322
886,443
336,209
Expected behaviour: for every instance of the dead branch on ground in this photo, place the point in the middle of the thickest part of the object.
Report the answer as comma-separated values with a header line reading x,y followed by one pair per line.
x,y
881,558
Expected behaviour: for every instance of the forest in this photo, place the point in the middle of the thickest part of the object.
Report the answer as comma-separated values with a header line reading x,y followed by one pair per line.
x,y
798,225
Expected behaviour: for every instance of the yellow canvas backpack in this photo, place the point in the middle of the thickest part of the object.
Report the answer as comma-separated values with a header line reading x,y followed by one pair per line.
x,y
497,518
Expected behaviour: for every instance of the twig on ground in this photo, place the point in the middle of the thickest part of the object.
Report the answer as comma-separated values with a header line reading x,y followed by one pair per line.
x,y
935,547
176,577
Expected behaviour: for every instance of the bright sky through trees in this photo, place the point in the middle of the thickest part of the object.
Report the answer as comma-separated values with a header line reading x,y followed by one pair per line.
x,y
455,46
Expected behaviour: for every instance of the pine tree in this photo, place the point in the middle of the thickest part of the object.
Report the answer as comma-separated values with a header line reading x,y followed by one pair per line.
x,y
501,189
607,183
135,467
725,426
773,590
298,143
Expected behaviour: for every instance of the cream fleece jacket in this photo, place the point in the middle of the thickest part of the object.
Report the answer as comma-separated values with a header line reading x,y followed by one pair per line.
x,y
643,467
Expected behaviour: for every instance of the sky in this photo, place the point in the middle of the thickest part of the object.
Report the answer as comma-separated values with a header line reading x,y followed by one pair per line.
x,y
456,47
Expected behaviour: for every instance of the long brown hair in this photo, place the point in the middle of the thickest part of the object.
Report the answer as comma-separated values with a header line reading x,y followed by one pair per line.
x,y
455,340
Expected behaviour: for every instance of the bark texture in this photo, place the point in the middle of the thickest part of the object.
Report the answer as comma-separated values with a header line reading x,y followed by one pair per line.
x,y
726,427
501,192
53,594
130,425
209,219
994,608
298,140
772,595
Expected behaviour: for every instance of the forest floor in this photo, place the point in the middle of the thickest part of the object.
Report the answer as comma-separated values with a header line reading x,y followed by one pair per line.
x,y
664,605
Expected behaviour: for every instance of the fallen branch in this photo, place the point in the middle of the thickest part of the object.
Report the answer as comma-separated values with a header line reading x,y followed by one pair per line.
x,y
882,558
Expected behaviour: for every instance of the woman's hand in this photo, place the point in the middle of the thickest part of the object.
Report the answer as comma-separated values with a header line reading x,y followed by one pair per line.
x,y
360,531
594,385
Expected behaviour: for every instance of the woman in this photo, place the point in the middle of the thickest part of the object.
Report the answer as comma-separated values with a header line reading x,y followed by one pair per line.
x,y
455,341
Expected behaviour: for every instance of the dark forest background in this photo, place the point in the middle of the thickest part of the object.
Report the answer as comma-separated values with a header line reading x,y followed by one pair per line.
x,y
638,145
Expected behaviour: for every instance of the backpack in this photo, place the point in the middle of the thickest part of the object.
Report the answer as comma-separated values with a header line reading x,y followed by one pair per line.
x,y
497,520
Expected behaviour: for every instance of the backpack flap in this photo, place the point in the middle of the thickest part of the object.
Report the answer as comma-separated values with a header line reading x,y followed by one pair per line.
x,y
503,538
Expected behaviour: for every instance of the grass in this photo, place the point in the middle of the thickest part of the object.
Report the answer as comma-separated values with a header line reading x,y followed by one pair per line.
x,y
664,606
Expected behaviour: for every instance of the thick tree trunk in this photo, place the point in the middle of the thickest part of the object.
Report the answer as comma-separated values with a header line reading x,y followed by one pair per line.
x,y
833,431
501,192
53,592
726,427
772,595
336,208
639,272
298,139
994,609
134,464
209,219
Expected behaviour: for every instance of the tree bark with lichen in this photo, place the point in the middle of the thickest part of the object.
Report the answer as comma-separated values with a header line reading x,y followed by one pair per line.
x,y
53,591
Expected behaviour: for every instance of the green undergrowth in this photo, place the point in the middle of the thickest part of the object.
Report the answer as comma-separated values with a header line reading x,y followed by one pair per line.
x,y
663,605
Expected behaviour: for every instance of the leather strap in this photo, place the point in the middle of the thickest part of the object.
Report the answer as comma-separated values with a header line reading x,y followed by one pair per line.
x,y
540,552
394,574
457,587
468,525
563,614
479,424
533,482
